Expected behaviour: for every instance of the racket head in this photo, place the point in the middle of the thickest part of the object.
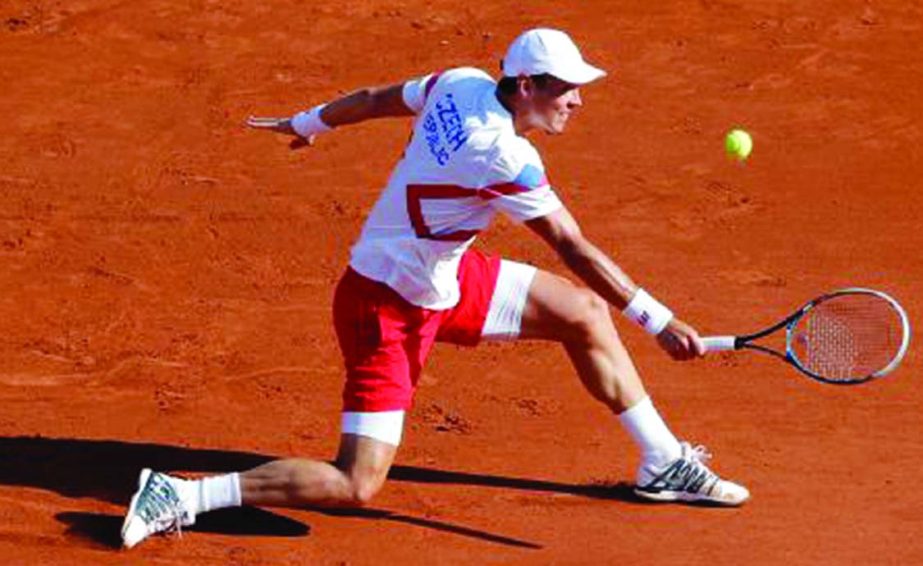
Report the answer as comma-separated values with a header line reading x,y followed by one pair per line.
x,y
848,336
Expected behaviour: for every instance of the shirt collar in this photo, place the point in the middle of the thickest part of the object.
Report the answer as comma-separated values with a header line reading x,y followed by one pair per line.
x,y
495,105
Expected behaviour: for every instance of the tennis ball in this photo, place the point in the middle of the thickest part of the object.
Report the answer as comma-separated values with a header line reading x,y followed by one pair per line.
x,y
738,144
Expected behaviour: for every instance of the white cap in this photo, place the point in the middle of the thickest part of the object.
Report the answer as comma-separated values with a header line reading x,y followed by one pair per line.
x,y
551,51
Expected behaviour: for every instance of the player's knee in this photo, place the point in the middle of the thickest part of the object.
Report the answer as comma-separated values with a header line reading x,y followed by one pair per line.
x,y
364,485
364,490
592,316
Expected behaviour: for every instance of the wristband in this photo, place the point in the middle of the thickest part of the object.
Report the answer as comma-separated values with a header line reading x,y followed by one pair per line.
x,y
309,123
646,311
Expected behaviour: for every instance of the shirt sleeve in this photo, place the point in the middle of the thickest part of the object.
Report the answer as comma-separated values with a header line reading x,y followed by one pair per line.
x,y
517,184
416,90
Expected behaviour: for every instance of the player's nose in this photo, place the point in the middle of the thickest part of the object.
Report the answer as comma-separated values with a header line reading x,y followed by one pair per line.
x,y
575,100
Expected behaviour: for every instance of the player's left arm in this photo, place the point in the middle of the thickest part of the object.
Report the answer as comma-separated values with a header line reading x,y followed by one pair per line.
x,y
358,106
595,268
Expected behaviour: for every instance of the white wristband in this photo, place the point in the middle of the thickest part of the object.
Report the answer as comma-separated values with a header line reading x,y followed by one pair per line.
x,y
646,311
309,122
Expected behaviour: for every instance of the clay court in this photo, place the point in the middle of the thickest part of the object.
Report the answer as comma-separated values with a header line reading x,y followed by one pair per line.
x,y
167,277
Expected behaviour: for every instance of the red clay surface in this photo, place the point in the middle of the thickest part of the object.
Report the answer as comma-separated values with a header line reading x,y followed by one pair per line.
x,y
167,276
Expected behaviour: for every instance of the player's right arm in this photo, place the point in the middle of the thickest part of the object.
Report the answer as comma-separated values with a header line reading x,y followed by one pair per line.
x,y
518,187
400,99
595,268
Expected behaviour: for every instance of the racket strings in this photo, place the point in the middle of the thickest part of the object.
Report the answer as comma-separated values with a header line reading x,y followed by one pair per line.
x,y
848,337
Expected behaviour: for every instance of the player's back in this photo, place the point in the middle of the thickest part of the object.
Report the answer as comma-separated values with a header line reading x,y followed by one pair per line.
x,y
435,202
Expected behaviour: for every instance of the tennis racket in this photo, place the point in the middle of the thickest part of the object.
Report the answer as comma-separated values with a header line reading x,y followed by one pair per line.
x,y
845,337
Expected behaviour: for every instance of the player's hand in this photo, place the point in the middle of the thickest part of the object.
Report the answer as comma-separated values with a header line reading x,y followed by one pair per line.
x,y
282,126
681,341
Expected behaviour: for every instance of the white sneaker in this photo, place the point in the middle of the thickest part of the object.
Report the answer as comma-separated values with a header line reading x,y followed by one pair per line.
x,y
154,508
688,479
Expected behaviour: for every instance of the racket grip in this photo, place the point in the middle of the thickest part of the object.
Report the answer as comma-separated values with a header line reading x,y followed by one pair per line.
x,y
719,343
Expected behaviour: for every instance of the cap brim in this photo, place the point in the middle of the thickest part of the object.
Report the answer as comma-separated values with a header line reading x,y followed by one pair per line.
x,y
580,74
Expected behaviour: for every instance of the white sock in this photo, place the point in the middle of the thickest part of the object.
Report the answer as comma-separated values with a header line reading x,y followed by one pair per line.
x,y
646,427
208,494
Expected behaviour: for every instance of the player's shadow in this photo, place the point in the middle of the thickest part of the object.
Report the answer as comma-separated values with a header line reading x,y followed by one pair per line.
x,y
107,470
620,491
103,530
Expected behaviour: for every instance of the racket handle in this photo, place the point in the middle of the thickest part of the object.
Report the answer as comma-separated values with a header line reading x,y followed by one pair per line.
x,y
719,343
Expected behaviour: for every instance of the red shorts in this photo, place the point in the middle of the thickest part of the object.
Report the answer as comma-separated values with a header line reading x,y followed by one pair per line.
x,y
385,340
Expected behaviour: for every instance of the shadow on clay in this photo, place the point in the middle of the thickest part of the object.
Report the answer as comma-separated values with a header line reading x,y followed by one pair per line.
x,y
107,470
102,530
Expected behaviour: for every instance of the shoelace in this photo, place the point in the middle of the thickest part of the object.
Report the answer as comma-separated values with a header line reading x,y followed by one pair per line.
x,y
695,473
698,452
687,473
161,507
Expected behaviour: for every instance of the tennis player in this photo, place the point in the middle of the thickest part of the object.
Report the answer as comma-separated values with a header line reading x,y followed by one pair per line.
x,y
413,279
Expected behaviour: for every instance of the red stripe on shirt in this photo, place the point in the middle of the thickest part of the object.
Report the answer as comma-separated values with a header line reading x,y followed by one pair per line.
x,y
416,193
430,83
504,189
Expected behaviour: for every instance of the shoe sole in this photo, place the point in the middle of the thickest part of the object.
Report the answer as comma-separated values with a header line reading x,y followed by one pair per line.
x,y
142,483
667,496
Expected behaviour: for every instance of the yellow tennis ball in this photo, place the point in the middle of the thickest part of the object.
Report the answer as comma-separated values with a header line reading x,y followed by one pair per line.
x,y
738,144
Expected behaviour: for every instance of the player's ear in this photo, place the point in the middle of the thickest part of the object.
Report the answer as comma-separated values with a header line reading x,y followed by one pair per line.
x,y
525,86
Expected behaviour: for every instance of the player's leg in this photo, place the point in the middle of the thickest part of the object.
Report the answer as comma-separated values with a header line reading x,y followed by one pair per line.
x,y
164,502
556,309
508,300
384,341
534,304
355,477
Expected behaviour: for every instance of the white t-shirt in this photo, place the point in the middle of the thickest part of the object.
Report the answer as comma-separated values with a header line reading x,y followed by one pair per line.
x,y
464,163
